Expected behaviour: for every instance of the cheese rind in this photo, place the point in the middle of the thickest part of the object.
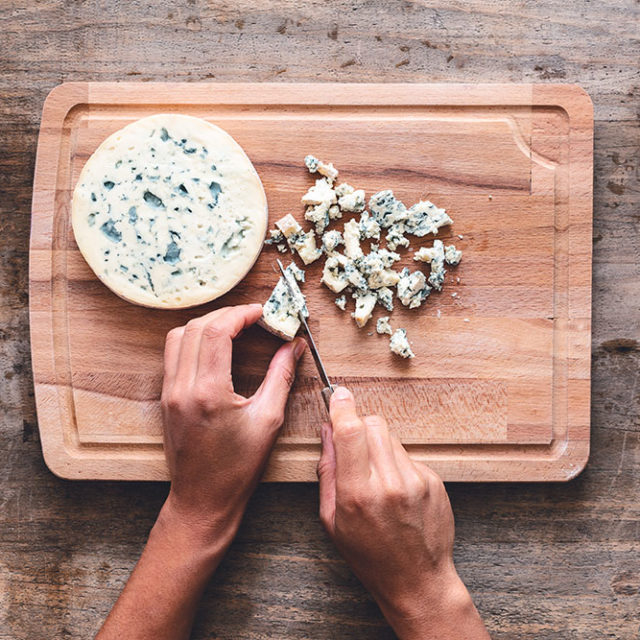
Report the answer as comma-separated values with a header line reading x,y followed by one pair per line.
x,y
169,212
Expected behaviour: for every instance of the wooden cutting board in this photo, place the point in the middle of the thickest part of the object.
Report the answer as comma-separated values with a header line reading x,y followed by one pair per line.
x,y
499,388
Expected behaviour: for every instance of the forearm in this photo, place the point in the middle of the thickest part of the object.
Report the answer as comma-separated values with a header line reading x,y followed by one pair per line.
x,y
162,594
448,613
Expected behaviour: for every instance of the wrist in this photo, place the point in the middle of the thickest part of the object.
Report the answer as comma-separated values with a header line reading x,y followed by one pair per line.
x,y
442,608
205,540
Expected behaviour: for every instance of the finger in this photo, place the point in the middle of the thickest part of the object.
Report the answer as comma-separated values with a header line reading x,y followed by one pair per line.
x,y
327,479
171,355
269,401
381,453
216,340
407,468
190,345
349,441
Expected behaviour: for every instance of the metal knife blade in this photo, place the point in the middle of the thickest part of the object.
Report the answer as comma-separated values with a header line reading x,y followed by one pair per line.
x,y
328,387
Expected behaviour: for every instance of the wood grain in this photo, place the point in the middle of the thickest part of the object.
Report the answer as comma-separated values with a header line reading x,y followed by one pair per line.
x,y
550,562
500,387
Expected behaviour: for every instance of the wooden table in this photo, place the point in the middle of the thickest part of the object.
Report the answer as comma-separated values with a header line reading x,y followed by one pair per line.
x,y
543,561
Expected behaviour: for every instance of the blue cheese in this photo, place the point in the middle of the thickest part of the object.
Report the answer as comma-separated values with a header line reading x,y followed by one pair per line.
x,y
298,240
435,256
369,228
333,272
320,193
385,298
412,288
452,256
424,217
281,312
352,247
326,169
365,302
386,209
341,302
319,215
395,236
169,212
375,267
383,326
331,240
399,344
353,202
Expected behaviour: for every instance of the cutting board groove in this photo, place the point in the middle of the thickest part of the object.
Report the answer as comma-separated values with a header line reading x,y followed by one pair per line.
x,y
500,386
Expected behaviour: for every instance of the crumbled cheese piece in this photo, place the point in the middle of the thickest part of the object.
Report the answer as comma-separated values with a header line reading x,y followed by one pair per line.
x,y
399,344
395,237
320,193
452,255
352,247
386,209
298,240
354,276
385,298
412,288
341,302
375,267
333,273
275,237
383,326
282,248
369,228
435,256
424,217
365,302
331,240
314,165
319,215
281,312
334,212
344,189
353,201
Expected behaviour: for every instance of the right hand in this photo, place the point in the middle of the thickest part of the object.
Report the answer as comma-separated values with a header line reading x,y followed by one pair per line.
x,y
391,520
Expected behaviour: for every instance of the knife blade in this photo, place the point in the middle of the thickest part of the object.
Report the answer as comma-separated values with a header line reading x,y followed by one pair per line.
x,y
328,387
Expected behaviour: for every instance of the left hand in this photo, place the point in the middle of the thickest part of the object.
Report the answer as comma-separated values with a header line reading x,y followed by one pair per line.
x,y
216,441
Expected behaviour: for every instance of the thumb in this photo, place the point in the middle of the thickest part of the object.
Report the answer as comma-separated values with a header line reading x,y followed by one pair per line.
x,y
271,397
327,479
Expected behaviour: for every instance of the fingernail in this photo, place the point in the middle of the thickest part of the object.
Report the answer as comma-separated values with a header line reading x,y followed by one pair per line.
x,y
256,305
341,393
299,348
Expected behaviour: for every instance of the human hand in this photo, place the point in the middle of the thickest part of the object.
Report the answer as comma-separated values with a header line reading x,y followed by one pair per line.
x,y
391,520
216,441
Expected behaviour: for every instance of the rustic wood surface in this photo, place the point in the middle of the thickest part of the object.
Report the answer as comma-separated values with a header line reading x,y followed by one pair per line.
x,y
543,561
505,345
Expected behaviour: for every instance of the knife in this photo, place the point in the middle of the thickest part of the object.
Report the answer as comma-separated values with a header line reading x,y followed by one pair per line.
x,y
328,387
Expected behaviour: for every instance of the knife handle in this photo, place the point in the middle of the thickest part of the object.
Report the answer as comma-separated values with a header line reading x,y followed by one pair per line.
x,y
326,396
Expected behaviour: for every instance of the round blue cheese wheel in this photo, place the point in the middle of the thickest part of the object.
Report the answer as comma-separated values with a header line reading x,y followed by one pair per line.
x,y
169,212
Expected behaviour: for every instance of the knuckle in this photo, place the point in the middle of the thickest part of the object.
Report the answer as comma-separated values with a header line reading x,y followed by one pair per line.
x,y
354,501
212,331
274,416
346,429
375,421
171,400
193,326
174,334
418,486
